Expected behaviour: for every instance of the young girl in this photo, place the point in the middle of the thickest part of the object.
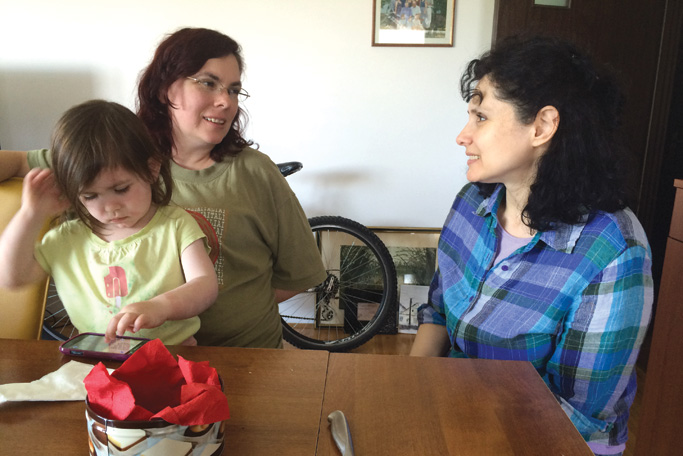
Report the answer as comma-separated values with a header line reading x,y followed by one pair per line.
x,y
127,261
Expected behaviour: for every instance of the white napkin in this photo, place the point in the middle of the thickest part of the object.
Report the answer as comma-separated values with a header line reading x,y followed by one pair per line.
x,y
64,384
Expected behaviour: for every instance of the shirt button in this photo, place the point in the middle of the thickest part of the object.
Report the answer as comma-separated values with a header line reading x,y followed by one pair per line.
x,y
505,267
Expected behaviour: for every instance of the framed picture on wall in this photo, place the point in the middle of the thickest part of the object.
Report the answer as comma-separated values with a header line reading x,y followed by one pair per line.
x,y
413,22
414,253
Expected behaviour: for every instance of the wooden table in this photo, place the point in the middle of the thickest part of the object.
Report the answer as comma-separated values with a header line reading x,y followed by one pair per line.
x,y
279,401
399,405
274,398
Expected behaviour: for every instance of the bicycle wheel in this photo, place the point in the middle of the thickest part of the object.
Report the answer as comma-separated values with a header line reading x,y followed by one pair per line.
x,y
359,293
56,322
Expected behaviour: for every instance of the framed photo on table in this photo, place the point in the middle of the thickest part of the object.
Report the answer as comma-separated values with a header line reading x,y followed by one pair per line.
x,y
414,253
413,22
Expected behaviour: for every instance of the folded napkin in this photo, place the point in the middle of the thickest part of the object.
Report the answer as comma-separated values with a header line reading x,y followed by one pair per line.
x,y
64,384
152,384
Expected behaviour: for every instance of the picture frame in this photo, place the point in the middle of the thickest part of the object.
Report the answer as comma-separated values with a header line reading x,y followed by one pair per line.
x,y
357,301
413,251
427,23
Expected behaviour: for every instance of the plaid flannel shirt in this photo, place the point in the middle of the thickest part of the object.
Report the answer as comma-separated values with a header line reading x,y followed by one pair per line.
x,y
575,301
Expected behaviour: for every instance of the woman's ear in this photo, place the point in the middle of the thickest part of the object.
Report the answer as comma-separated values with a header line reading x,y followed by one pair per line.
x,y
162,96
545,125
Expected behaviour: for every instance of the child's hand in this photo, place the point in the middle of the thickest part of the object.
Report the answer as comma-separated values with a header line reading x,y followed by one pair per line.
x,y
134,317
41,195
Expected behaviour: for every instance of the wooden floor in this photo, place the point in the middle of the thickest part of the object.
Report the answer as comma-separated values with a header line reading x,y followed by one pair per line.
x,y
399,344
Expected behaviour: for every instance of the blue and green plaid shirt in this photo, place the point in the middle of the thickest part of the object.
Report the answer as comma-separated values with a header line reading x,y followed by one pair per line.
x,y
575,302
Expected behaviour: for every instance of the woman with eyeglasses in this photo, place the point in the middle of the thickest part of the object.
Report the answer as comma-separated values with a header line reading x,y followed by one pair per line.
x,y
189,98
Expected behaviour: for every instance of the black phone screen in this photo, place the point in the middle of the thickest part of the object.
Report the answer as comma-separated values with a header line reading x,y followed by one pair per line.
x,y
96,343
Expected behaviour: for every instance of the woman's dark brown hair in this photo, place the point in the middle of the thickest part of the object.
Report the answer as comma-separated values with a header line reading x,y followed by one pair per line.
x,y
180,55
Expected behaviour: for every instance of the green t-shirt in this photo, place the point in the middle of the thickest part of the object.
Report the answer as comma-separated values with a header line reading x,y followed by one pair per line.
x,y
261,238
265,243
95,278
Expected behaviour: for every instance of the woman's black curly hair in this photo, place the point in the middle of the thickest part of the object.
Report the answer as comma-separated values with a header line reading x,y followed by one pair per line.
x,y
583,169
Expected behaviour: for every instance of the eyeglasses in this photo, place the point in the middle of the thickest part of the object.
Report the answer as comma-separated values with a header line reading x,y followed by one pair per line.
x,y
215,87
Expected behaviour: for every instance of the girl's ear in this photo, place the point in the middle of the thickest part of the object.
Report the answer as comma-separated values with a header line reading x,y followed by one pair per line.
x,y
154,168
545,125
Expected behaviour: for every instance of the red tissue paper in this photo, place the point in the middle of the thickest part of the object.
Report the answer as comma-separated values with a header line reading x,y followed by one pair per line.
x,y
152,384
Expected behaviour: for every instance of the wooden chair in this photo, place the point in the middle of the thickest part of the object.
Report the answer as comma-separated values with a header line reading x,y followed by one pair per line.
x,y
21,311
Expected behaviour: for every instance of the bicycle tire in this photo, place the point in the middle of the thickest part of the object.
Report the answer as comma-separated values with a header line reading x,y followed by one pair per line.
x,y
361,283
56,322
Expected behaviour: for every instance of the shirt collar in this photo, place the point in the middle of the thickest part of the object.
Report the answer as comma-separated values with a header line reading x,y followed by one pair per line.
x,y
561,237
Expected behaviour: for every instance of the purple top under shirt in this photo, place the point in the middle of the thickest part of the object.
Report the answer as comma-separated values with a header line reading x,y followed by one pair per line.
x,y
508,244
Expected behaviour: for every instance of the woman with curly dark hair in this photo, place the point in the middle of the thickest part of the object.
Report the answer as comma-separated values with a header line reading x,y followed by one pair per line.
x,y
540,259
189,99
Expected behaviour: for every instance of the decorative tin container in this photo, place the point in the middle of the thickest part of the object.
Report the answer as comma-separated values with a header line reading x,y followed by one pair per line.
x,y
151,438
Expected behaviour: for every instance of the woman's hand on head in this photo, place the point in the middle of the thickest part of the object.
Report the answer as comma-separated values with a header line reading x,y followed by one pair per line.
x,y
41,195
133,318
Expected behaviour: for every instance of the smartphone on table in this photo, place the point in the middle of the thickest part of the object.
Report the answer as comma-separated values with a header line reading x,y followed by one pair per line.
x,y
92,345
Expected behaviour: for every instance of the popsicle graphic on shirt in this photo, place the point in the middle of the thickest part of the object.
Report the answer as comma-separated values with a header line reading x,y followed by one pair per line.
x,y
115,284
